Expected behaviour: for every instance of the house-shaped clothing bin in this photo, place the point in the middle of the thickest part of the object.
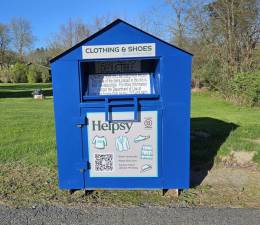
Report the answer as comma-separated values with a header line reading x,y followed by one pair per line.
x,y
122,111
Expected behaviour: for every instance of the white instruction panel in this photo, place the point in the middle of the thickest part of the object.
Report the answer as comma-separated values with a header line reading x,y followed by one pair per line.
x,y
119,84
123,149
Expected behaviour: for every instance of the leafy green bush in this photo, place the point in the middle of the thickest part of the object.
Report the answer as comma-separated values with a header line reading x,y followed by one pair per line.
x,y
34,75
208,75
19,73
245,88
23,73
45,76
5,75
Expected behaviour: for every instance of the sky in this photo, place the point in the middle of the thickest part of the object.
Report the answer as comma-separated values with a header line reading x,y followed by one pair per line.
x,y
46,16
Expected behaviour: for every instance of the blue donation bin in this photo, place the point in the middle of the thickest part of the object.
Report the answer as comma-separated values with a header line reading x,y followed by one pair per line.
x,y
122,112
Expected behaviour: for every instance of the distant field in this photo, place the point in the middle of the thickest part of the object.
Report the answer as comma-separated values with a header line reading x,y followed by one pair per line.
x,y
28,154
23,90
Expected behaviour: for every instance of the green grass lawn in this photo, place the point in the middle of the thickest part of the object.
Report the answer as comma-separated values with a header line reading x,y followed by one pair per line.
x,y
28,154
27,127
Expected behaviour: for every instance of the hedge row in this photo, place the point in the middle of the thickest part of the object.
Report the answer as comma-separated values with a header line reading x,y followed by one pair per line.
x,y
245,88
22,73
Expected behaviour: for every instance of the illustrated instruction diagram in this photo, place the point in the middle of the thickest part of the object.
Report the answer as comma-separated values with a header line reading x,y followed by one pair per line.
x,y
123,148
147,152
122,143
100,142
146,167
141,138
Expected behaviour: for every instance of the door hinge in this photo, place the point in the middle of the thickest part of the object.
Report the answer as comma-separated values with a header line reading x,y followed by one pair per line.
x,y
83,166
88,165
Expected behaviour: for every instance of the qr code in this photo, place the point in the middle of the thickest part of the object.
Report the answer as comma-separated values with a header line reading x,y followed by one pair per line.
x,y
103,162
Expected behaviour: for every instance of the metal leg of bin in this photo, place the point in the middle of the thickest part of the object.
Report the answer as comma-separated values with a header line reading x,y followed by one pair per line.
x,y
173,193
88,192
72,191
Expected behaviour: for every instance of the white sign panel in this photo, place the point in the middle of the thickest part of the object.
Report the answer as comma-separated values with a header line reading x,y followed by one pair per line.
x,y
118,51
119,84
123,149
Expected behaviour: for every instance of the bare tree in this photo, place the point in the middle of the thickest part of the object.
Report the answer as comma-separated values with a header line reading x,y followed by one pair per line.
x,y
182,13
101,21
226,33
69,34
152,24
235,24
4,42
21,33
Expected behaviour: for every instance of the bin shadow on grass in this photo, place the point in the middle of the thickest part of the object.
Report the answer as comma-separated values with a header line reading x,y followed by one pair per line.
x,y
207,136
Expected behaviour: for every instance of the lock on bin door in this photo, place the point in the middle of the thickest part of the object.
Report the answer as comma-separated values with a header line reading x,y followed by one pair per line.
x,y
109,105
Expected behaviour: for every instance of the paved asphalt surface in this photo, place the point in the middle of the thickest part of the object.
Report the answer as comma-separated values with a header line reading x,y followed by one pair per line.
x,y
137,215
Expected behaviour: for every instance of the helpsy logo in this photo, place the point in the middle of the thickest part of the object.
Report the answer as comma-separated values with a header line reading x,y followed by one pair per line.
x,y
98,125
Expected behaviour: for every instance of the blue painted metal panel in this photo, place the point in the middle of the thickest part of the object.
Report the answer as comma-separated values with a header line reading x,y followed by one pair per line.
x,y
176,121
172,100
123,34
68,136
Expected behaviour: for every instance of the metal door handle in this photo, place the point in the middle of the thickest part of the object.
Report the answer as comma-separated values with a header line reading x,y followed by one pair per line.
x,y
109,105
